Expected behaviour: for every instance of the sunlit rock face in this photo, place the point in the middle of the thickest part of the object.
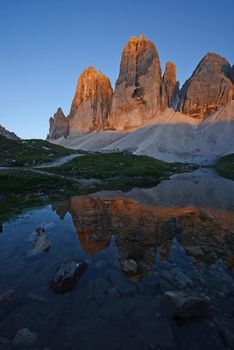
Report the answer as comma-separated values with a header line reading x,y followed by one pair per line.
x,y
170,86
91,103
58,125
90,220
137,96
209,88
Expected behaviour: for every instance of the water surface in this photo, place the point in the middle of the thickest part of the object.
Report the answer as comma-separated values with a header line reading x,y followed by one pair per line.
x,y
180,233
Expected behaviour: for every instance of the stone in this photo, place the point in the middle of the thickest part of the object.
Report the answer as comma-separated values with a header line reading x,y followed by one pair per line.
x,y
24,337
136,253
169,87
41,244
40,230
7,296
177,278
67,276
59,126
208,89
184,305
137,95
91,104
130,266
8,134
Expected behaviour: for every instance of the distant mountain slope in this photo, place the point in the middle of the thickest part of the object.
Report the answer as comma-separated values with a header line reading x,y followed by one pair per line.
x,y
8,134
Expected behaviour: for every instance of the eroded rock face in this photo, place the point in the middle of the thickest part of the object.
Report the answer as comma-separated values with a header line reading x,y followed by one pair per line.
x,y
91,104
137,93
58,125
8,134
170,87
209,87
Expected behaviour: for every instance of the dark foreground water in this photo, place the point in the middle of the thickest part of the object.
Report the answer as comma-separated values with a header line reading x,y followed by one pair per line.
x,y
180,234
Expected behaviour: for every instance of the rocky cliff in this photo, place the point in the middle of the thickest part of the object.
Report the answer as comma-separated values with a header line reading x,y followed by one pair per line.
x,y
137,95
8,134
143,94
91,103
58,125
209,87
169,87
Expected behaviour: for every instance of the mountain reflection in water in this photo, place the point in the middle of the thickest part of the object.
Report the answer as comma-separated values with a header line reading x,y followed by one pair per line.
x,y
143,229
180,235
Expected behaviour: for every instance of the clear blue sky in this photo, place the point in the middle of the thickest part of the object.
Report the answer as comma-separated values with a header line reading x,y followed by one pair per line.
x,y
45,45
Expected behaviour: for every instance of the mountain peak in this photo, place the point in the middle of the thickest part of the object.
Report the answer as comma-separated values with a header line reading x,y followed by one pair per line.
x,y
91,103
8,134
209,88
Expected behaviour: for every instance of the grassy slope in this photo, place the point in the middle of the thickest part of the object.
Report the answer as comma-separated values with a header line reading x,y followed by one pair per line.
x,y
21,189
109,165
225,166
29,152
24,189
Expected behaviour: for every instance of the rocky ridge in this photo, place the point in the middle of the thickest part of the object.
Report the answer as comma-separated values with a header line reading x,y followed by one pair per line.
x,y
209,88
142,93
8,134
58,125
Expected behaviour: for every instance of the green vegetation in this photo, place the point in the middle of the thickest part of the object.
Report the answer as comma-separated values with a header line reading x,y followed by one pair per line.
x,y
109,165
23,187
225,166
29,152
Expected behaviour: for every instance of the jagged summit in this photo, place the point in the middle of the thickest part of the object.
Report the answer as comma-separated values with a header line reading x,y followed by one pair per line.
x,y
136,97
58,125
8,134
142,93
91,103
209,88
170,86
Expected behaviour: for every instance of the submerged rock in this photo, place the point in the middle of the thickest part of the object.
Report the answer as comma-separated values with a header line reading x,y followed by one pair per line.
x,y
67,276
7,296
130,266
41,244
24,337
186,305
40,230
